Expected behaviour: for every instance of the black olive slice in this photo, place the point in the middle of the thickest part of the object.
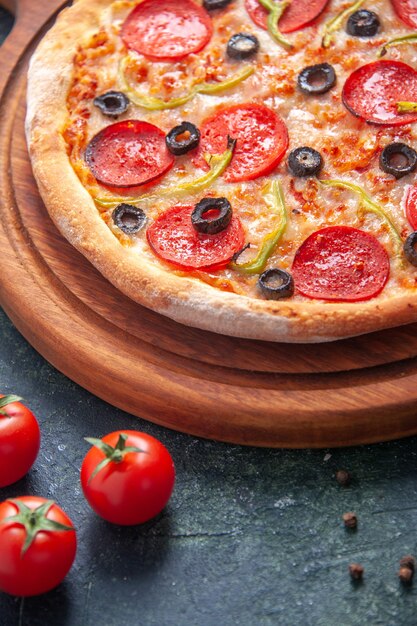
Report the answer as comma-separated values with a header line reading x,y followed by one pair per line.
x,y
211,5
180,145
363,23
410,251
305,161
112,103
398,159
317,79
130,219
211,215
276,284
242,46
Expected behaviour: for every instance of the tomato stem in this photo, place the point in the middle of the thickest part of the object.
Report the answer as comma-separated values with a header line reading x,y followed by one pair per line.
x,y
7,400
112,455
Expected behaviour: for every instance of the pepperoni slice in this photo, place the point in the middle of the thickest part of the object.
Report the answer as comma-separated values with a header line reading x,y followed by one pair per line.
x,y
411,206
406,11
341,263
167,29
373,90
298,15
262,140
128,154
173,238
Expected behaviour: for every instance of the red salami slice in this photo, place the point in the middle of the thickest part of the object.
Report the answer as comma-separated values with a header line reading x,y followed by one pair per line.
x,y
341,263
173,238
373,90
406,11
167,29
128,154
262,140
298,15
411,206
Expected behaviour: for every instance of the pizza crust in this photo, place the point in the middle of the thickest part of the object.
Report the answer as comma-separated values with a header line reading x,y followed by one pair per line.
x,y
184,299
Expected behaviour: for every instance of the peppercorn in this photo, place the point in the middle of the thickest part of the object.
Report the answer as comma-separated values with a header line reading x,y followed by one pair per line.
x,y
356,571
343,477
405,574
350,520
408,561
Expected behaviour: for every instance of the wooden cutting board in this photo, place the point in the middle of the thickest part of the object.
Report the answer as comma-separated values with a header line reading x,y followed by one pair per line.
x,y
251,392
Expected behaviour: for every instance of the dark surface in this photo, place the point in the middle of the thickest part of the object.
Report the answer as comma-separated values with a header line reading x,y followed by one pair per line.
x,y
250,536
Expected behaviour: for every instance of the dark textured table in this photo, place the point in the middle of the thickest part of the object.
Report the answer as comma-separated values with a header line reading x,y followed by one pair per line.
x,y
250,537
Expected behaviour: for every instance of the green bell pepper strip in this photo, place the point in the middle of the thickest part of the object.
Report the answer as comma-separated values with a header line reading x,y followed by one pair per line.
x,y
275,11
368,206
217,162
156,104
399,41
331,26
407,107
274,198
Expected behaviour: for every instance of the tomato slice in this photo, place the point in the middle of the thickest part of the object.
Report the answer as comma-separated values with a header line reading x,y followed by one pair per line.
x,y
128,154
298,15
167,29
341,263
406,11
262,140
372,92
174,239
411,206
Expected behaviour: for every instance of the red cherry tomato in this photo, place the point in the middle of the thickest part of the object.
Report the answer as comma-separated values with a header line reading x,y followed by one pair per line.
x,y
373,91
19,441
127,477
341,263
28,570
167,29
298,15
128,154
406,11
262,140
173,238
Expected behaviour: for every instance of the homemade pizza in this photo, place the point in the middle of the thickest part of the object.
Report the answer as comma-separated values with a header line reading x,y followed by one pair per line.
x,y
241,166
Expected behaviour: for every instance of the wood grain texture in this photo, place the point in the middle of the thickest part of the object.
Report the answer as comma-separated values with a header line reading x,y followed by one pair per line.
x,y
347,392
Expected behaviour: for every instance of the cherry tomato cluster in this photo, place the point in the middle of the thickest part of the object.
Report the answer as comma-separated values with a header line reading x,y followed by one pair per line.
x,y
127,478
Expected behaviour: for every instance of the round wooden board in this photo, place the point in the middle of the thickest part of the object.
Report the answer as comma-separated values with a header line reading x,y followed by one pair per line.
x,y
282,395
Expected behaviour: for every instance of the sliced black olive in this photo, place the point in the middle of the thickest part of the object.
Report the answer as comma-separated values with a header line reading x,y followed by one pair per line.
x,y
363,23
205,222
398,159
276,284
305,162
410,251
317,79
188,142
130,219
112,103
210,5
242,46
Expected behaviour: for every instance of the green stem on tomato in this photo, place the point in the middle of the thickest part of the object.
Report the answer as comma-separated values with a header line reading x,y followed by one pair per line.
x,y
217,163
275,11
274,198
157,104
332,25
5,400
406,107
399,41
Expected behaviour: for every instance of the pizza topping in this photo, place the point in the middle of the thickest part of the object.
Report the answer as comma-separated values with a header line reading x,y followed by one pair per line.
x,y
183,138
167,29
262,140
275,11
128,154
242,46
317,79
174,239
406,11
363,23
398,159
341,263
211,215
335,23
297,15
276,284
211,5
130,219
411,206
410,251
112,103
398,41
305,162
373,91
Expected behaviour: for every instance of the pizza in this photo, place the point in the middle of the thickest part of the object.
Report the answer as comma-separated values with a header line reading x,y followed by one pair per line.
x,y
242,166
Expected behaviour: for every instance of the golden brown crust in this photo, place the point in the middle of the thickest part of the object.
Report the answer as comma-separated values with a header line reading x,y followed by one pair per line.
x,y
184,299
